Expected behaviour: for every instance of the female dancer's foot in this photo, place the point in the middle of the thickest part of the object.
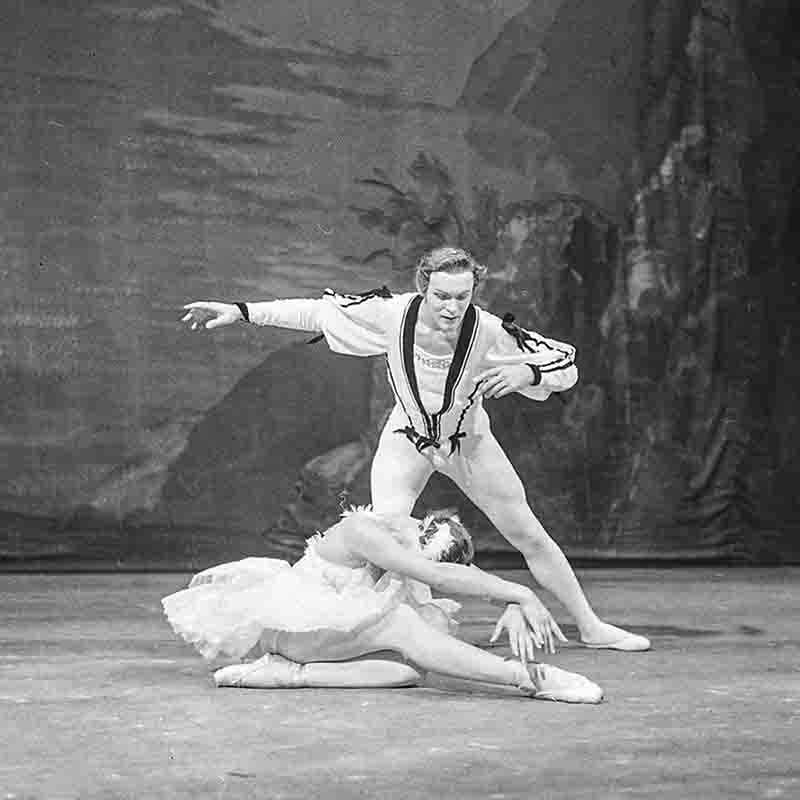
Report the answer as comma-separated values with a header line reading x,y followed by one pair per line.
x,y
547,682
269,672
603,636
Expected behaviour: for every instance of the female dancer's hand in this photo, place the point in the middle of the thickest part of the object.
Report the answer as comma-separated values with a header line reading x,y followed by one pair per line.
x,y
543,627
211,315
519,634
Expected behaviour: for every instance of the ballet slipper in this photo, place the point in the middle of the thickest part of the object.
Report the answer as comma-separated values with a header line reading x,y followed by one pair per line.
x,y
553,683
269,672
629,642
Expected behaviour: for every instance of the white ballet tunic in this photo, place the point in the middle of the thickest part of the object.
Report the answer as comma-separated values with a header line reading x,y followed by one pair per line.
x,y
229,609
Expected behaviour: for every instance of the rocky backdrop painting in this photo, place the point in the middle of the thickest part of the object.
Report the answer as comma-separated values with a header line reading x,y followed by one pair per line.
x,y
626,170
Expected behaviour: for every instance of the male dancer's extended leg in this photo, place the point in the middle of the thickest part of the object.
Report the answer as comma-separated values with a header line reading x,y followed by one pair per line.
x,y
491,482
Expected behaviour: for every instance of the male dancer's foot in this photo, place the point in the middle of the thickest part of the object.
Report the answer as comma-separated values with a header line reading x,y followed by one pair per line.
x,y
604,636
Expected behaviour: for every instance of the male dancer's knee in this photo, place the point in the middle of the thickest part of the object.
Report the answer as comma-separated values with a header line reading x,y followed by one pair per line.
x,y
518,524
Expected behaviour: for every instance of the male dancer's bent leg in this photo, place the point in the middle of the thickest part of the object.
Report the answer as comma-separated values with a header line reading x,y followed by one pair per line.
x,y
491,482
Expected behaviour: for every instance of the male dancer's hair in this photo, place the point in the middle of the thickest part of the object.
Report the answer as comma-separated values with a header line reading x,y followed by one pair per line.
x,y
447,259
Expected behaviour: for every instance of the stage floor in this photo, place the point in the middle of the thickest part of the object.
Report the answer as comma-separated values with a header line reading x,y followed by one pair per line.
x,y
98,699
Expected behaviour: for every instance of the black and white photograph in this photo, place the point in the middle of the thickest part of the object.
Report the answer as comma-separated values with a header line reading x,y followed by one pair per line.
x,y
398,399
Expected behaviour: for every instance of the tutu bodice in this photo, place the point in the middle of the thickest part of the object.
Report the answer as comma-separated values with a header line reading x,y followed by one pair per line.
x,y
339,577
228,609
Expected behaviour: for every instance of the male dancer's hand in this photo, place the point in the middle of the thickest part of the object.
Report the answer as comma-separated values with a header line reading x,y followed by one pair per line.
x,y
500,381
211,315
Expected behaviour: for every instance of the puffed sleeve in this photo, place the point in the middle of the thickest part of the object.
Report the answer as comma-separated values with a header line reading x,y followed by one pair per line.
x,y
352,324
552,363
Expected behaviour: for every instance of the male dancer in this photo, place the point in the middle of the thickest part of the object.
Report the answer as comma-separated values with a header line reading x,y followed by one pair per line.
x,y
445,355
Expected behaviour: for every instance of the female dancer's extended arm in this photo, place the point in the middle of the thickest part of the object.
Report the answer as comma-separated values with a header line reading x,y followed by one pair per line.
x,y
379,548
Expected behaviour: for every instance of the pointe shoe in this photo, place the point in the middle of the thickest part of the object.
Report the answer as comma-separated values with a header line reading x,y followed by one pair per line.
x,y
559,685
269,672
629,642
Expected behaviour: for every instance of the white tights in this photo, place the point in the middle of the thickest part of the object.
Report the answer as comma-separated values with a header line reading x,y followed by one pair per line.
x,y
397,651
486,476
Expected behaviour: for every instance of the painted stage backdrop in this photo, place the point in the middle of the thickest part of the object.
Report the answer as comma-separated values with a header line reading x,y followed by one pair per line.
x,y
624,168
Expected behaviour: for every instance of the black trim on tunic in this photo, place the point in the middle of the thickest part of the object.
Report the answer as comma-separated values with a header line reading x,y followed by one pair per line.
x,y
353,300
522,337
361,297
466,339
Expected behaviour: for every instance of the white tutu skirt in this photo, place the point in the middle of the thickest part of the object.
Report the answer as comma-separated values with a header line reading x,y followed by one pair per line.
x,y
227,609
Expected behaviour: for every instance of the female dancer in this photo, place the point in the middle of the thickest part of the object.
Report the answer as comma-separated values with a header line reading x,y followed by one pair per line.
x,y
445,354
357,611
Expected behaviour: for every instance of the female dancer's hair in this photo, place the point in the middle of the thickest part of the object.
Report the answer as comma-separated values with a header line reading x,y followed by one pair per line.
x,y
447,259
444,538
442,535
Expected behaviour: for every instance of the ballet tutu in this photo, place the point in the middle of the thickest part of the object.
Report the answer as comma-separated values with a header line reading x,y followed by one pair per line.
x,y
227,609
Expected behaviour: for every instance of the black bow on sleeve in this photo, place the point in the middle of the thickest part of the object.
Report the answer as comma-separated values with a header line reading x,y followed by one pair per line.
x,y
521,336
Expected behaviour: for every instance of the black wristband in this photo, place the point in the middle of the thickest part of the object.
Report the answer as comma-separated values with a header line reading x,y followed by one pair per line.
x,y
537,374
243,308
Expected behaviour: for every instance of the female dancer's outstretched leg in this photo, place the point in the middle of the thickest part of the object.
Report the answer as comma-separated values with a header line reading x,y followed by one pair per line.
x,y
403,632
374,671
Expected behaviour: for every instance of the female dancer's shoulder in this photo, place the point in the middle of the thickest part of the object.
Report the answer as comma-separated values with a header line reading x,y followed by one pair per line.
x,y
343,542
